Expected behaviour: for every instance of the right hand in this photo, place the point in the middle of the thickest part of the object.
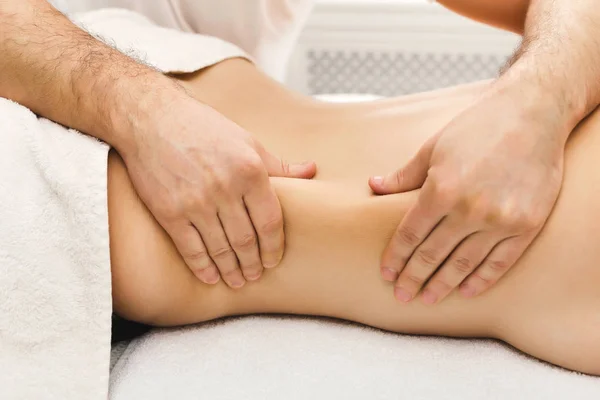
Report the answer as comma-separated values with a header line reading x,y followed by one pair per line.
x,y
206,181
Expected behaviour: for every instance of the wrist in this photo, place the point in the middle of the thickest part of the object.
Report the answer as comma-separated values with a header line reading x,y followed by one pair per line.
x,y
541,92
550,105
137,101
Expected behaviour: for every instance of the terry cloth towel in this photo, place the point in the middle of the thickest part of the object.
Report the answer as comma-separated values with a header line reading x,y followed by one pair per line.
x,y
55,285
297,358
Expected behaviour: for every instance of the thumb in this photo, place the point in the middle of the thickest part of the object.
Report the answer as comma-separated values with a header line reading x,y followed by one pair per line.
x,y
281,168
410,177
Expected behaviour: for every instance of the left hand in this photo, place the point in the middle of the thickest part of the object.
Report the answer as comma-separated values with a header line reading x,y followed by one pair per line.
x,y
489,181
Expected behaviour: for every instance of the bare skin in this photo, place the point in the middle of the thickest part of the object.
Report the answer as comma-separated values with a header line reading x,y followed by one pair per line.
x,y
548,305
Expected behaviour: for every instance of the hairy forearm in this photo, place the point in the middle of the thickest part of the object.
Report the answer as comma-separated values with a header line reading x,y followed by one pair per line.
x,y
558,61
505,14
53,67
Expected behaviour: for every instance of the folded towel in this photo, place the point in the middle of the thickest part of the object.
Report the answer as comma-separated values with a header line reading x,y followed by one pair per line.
x,y
308,358
55,286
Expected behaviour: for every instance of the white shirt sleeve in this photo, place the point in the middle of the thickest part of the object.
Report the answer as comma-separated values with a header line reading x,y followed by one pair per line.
x,y
265,29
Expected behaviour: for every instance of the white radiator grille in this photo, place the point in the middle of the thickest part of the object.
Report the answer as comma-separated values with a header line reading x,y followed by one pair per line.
x,y
394,73
393,47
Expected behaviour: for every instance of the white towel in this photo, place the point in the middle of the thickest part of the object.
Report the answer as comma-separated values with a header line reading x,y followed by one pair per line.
x,y
296,358
55,299
55,286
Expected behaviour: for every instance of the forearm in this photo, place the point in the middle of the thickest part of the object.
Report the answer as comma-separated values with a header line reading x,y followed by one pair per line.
x,y
505,14
558,62
53,67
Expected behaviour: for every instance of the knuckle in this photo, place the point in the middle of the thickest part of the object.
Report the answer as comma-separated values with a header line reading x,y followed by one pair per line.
x,y
528,221
245,242
221,185
486,281
406,236
285,167
442,285
232,273
272,227
477,209
251,168
444,188
427,257
498,266
399,177
463,265
417,280
196,255
169,211
221,253
252,266
447,192
194,201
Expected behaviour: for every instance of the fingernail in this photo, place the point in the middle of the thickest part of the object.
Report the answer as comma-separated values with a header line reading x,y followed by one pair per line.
x,y
378,180
389,274
467,291
429,297
253,276
237,282
210,275
271,263
402,295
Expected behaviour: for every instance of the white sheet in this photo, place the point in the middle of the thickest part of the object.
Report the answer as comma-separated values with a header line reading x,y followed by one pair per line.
x,y
303,358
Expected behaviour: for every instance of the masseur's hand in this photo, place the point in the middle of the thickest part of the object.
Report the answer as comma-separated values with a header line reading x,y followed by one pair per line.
x,y
489,181
206,181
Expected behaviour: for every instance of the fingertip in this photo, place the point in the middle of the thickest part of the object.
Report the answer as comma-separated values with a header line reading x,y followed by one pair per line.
x,y
209,276
305,170
389,274
429,297
402,295
377,184
467,290
271,262
252,277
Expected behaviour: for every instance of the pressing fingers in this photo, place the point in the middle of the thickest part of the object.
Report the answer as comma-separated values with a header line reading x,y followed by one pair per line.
x,y
496,264
416,225
242,237
281,168
410,177
219,249
428,256
190,245
467,256
265,212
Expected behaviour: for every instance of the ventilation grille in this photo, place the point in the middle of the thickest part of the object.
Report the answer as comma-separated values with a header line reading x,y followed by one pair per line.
x,y
394,73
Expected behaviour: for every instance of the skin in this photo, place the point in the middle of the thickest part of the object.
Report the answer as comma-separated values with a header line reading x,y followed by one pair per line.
x,y
506,14
204,178
547,305
492,174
